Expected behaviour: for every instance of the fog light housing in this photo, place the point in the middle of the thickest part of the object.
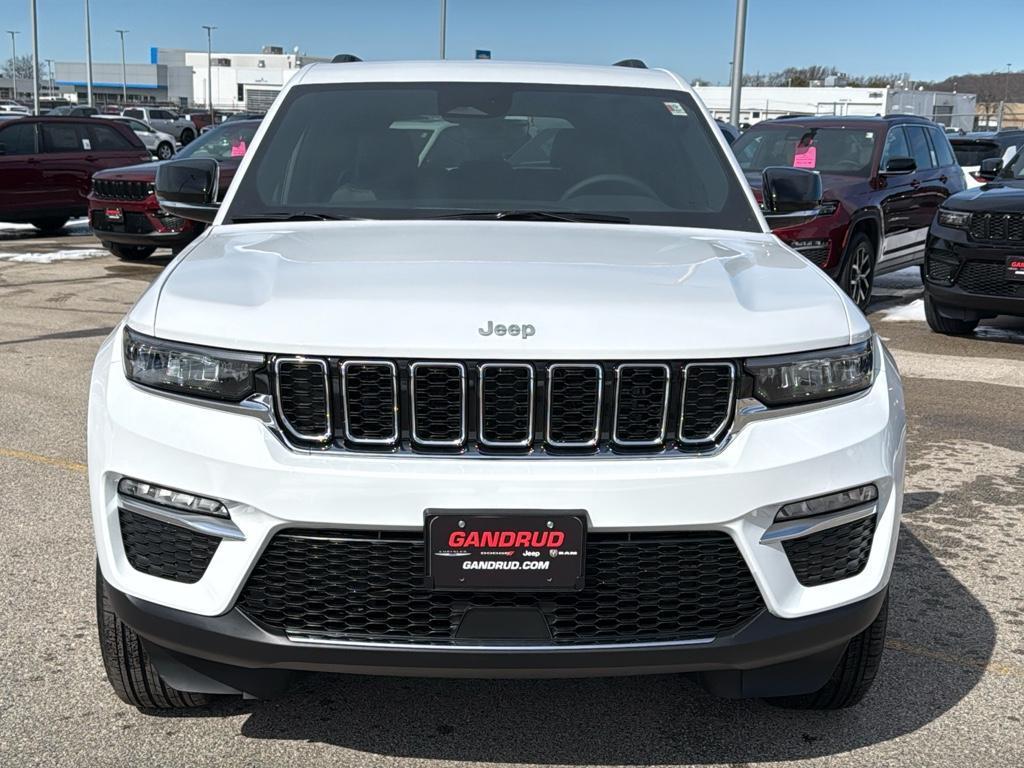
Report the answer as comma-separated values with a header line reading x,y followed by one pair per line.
x,y
170,498
833,502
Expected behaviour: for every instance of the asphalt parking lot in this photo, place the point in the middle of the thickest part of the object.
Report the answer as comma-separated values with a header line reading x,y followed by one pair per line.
x,y
951,689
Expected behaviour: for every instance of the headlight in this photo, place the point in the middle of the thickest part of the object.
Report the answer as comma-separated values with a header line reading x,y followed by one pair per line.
x,y
201,371
789,379
955,219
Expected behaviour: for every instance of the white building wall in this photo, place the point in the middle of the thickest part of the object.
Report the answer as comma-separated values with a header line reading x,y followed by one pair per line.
x,y
761,102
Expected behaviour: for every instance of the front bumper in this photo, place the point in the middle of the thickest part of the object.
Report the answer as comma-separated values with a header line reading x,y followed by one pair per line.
x,y
768,656
269,487
964,302
148,228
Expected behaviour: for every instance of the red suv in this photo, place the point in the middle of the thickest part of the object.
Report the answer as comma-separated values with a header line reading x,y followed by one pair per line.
x,y
124,213
883,178
46,164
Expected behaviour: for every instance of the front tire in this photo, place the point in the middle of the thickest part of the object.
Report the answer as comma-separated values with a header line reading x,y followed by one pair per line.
x,y
187,135
50,226
946,325
858,275
854,674
164,150
130,252
129,670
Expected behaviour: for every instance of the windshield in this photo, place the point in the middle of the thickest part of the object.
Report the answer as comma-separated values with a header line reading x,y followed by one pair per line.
x,y
222,143
840,150
1014,169
973,152
417,150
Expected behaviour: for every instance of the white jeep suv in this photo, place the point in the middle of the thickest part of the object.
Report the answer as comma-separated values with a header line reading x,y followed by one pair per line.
x,y
543,398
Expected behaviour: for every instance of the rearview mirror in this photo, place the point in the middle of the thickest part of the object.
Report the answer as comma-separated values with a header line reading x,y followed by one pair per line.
x,y
791,195
897,166
188,188
990,168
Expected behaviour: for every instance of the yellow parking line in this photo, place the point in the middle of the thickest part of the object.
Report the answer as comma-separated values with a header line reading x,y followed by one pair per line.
x,y
995,667
38,458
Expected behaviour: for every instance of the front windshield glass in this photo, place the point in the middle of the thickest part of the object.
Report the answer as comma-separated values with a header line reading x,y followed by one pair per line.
x,y
418,150
222,143
844,151
1014,169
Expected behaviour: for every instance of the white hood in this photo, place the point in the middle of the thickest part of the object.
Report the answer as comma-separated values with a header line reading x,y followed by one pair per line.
x,y
423,289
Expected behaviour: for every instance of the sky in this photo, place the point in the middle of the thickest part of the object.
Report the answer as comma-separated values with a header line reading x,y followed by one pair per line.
x,y
691,37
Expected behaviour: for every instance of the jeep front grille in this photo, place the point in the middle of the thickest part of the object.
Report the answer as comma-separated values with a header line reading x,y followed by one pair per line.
x,y
506,407
997,226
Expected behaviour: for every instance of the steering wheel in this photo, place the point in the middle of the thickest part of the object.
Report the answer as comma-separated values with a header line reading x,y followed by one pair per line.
x,y
602,178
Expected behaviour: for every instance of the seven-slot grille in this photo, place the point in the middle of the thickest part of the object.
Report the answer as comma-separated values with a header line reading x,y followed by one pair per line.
x,y
117,189
505,407
997,226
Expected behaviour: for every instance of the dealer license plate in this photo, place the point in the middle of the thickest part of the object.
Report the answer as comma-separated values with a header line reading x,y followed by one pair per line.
x,y
528,551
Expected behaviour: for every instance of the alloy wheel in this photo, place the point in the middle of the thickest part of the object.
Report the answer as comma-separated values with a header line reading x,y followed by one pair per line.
x,y
861,269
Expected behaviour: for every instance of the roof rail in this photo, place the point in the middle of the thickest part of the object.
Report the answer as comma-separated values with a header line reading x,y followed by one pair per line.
x,y
634,63
345,58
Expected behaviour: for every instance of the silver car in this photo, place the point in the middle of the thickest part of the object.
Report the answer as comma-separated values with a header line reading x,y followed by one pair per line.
x,y
179,126
162,145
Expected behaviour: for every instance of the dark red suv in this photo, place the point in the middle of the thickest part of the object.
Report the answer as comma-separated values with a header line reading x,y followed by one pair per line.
x,y
46,164
883,178
124,213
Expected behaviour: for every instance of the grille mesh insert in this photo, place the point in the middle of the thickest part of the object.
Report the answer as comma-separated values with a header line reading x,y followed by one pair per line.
x,y
988,278
370,397
506,409
707,401
997,226
165,550
644,587
641,404
831,555
303,397
574,404
438,403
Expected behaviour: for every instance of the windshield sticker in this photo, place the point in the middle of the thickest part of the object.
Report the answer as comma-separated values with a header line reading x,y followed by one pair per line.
x,y
675,108
86,145
805,157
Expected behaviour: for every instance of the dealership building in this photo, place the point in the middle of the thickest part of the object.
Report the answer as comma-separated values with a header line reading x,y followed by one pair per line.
x,y
956,110
241,81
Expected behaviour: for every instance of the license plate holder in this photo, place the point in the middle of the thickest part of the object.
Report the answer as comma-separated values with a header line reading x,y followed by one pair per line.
x,y
498,551
113,215
1015,269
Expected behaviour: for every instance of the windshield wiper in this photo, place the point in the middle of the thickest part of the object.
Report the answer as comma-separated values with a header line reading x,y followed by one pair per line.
x,y
528,215
298,216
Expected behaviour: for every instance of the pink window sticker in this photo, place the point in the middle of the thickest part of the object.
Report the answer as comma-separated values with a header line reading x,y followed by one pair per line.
x,y
237,150
805,157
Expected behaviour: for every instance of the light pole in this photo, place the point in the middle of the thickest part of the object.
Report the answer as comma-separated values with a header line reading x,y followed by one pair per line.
x,y
35,59
444,25
209,69
88,55
124,69
14,65
737,61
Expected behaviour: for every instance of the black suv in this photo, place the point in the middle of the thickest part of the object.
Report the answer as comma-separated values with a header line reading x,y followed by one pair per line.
x,y
974,261
883,177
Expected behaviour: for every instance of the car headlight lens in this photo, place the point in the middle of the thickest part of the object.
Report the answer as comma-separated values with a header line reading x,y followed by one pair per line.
x,y
789,379
955,219
201,371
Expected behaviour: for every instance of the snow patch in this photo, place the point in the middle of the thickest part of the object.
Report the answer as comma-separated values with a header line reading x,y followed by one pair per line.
x,y
74,254
74,225
912,312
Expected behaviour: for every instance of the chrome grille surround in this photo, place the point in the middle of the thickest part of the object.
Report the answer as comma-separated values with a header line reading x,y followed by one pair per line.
x,y
719,430
414,369
552,370
320,437
346,367
621,372
481,394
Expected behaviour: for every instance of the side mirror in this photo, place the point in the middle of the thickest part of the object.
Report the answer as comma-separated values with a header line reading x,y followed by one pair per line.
x,y
990,168
899,166
791,195
188,188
